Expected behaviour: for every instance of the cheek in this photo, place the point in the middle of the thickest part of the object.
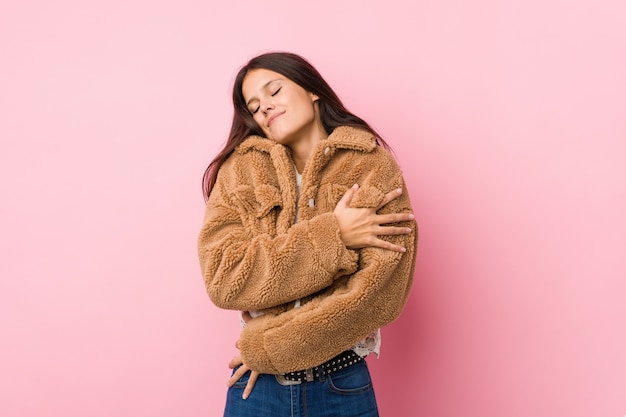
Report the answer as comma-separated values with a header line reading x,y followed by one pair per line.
x,y
258,119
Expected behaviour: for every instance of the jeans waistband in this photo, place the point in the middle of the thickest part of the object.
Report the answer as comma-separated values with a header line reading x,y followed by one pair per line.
x,y
341,361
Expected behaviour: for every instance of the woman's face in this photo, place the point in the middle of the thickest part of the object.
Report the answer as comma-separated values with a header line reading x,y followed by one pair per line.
x,y
285,111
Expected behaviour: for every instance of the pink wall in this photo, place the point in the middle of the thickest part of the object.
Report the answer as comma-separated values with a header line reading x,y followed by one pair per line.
x,y
508,118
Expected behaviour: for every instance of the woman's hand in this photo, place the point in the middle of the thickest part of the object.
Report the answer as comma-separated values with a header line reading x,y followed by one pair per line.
x,y
360,227
235,362
243,368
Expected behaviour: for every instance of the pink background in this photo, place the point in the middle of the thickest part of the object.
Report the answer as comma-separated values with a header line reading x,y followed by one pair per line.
x,y
508,118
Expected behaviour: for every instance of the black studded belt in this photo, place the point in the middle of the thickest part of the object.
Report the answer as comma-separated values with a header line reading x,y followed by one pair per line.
x,y
341,361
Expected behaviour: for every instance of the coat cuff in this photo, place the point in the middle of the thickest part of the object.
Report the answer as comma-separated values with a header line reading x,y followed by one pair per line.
x,y
335,257
252,347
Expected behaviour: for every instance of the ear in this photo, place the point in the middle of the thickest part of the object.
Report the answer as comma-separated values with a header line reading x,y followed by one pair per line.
x,y
314,97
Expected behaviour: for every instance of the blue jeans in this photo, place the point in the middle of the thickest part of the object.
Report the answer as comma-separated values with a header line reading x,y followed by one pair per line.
x,y
345,393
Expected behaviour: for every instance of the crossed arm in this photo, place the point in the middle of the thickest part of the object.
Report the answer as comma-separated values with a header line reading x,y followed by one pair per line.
x,y
373,296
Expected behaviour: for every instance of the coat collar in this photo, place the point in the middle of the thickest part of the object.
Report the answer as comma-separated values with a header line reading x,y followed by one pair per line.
x,y
343,137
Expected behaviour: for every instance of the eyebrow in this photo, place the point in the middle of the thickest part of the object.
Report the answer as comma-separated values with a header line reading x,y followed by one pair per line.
x,y
263,87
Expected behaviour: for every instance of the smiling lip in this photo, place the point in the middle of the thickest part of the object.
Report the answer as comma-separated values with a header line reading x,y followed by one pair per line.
x,y
269,122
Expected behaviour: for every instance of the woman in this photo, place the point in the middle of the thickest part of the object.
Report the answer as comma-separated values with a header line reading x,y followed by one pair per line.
x,y
308,231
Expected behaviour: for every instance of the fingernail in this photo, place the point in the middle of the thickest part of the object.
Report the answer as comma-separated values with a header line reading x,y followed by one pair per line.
x,y
408,230
403,250
355,186
399,190
411,217
244,396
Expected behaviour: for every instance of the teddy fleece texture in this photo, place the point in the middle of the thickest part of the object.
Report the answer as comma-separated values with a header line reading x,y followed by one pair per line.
x,y
253,256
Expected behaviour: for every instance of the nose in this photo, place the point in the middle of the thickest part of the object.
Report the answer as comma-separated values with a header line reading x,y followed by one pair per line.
x,y
266,106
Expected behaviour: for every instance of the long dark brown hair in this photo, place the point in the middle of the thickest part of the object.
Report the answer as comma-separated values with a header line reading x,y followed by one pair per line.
x,y
332,111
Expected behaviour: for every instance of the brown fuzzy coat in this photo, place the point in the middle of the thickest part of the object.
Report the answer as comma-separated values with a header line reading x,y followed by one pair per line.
x,y
253,256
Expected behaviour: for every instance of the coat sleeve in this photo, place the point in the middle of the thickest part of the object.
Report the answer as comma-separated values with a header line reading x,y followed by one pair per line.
x,y
247,269
338,318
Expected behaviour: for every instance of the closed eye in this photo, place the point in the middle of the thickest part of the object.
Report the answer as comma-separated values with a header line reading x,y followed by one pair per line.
x,y
273,94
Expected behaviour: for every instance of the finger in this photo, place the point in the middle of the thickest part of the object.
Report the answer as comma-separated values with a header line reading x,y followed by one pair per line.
x,y
389,197
394,218
383,244
237,375
237,342
393,230
346,199
250,385
235,362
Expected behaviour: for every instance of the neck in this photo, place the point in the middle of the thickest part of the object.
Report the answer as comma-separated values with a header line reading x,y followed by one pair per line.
x,y
303,149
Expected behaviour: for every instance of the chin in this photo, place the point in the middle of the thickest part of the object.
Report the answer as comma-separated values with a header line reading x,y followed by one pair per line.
x,y
281,138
